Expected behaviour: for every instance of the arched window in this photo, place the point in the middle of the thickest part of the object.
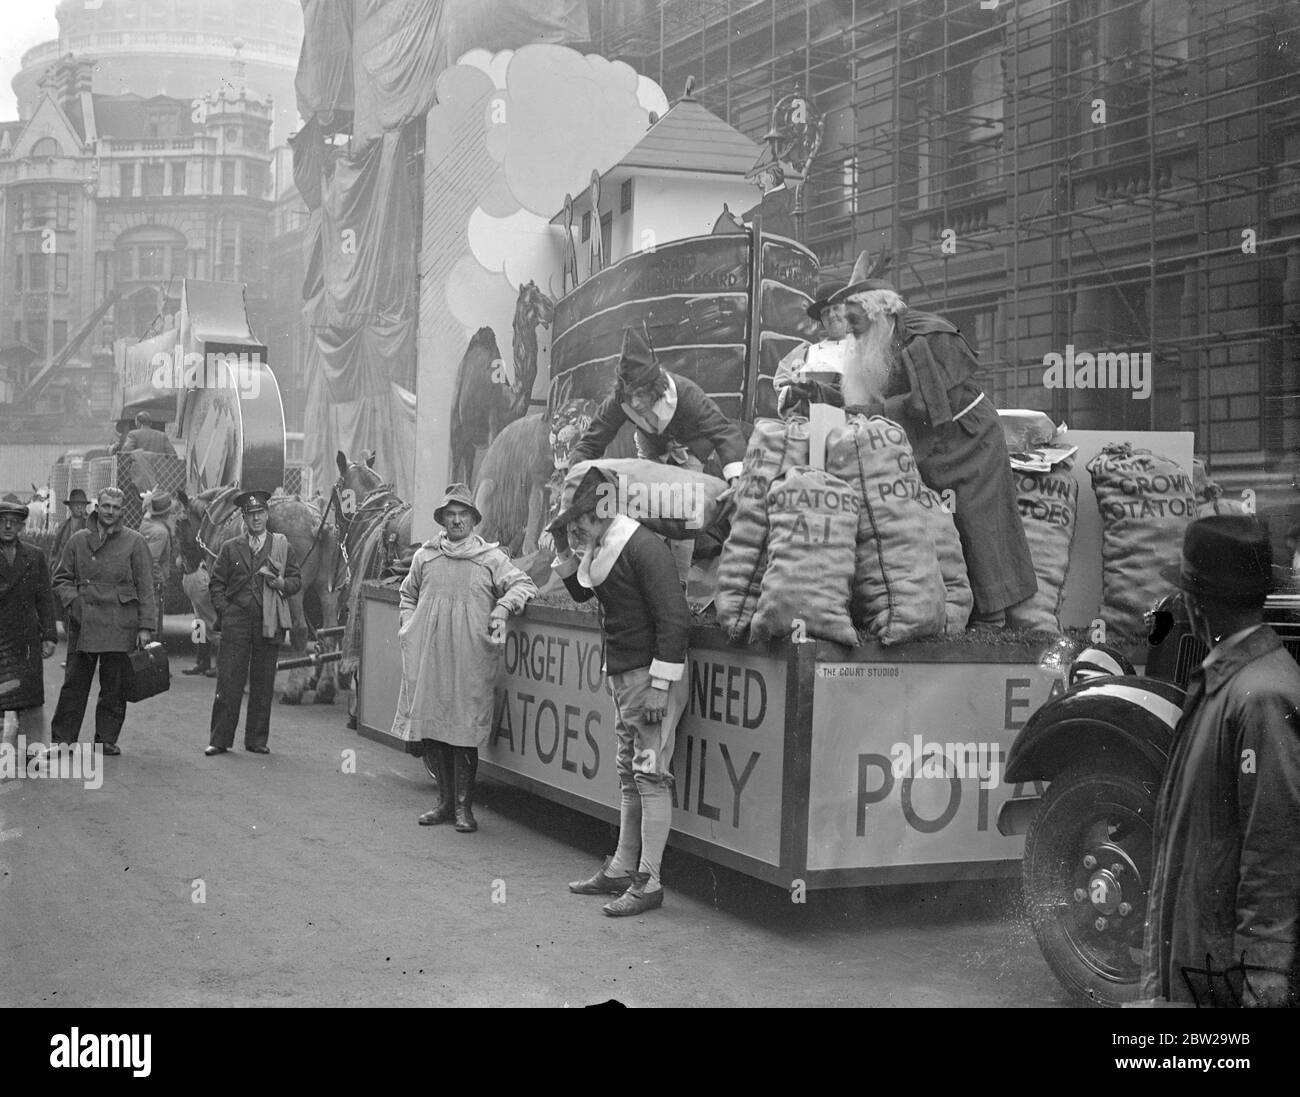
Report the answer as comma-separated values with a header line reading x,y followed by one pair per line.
x,y
47,146
150,254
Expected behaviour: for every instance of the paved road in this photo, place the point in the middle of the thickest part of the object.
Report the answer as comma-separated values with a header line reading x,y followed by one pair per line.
x,y
319,889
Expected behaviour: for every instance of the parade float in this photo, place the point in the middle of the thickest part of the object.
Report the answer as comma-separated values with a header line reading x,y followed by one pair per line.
x,y
801,761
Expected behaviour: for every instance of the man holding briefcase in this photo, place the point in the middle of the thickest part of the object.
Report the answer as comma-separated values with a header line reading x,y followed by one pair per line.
x,y
104,581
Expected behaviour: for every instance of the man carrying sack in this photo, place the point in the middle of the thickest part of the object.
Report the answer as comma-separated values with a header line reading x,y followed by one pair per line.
x,y
918,370
252,581
645,622
677,423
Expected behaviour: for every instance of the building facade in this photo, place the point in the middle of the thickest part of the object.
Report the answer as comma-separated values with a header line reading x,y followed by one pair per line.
x,y
1059,176
106,203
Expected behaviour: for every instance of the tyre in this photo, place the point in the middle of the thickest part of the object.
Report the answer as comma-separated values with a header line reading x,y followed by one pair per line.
x,y
1086,872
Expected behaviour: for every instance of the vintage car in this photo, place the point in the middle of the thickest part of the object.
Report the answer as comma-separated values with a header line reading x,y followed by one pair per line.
x,y
1103,744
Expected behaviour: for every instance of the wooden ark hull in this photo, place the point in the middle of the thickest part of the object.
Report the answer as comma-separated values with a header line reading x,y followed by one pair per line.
x,y
716,313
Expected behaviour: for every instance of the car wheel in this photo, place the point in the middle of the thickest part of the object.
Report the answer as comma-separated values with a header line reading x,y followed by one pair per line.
x,y
1086,871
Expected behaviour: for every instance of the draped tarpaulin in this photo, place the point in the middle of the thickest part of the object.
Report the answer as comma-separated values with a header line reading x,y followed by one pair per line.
x,y
508,24
364,321
324,80
398,49
309,161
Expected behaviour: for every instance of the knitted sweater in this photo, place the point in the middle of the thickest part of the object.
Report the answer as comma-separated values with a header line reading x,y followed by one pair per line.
x,y
645,617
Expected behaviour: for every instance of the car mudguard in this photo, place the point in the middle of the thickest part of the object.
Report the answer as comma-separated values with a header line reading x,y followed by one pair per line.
x,y
1122,714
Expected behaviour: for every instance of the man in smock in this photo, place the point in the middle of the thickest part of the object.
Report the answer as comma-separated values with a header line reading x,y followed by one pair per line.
x,y
454,604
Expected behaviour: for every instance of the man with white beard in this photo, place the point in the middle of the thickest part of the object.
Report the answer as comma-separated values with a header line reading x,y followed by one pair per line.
x,y
917,369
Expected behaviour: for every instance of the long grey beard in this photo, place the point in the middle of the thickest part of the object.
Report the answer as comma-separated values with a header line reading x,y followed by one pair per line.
x,y
869,362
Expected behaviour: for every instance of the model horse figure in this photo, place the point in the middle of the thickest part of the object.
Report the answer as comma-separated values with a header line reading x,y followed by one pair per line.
x,y
489,393
204,523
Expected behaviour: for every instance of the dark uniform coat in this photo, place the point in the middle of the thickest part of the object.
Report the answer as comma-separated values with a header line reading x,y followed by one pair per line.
x,y
696,425
26,618
148,440
1226,883
70,525
235,587
106,585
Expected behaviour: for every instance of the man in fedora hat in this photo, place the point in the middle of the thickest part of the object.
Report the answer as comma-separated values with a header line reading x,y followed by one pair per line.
x,y
158,536
812,373
676,422
27,628
252,580
455,601
104,581
1224,904
76,502
645,622
917,369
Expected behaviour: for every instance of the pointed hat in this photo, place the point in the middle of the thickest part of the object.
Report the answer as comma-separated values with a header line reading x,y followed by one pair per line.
x,y
637,364
864,277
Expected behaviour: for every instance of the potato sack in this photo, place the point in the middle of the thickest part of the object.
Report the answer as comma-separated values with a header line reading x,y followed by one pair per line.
x,y
774,447
812,520
898,589
958,599
671,500
1049,508
1146,502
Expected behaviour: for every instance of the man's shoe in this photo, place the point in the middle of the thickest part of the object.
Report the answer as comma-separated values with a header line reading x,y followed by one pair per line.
x,y
212,752
110,748
209,673
601,884
632,902
443,813
191,671
258,750
465,765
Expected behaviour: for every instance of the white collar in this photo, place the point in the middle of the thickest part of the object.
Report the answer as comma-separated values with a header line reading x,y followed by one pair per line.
x,y
662,413
597,564
256,542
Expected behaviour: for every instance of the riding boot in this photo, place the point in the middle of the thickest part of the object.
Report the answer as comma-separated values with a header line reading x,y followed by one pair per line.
x,y
466,761
440,755
202,660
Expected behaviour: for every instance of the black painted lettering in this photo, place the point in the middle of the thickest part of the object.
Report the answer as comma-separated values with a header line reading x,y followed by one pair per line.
x,y
737,783
707,811
501,726
527,699
589,771
699,687
931,826
545,705
733,695
570,732
562,642
1014,702
754,680
715,691
865,799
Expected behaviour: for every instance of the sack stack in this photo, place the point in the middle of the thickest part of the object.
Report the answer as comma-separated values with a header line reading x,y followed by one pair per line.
x,y
1049,511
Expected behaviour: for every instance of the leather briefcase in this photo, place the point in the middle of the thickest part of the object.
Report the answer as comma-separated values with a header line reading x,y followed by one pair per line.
x,y
147,674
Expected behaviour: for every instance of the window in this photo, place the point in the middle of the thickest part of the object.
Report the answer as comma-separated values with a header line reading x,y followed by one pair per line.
x,y
255,179
151,260
227,177
178,262
19,212
151,180
61,273
18,272
46,146
40,274
178,178
232,134
252,262
226,267
127,188
63,209
607,236
125,267
625,196
586,227
848,197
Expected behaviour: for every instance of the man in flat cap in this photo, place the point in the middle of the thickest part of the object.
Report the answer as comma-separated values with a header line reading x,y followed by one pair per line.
x,y
104,580
676,422
158,536
252,580
645,621
1222,912
27,629
812,373
917,369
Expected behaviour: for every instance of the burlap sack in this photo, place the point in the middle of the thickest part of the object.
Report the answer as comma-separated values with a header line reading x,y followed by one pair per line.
x,y
1210,499
812,522
1145,502
774,447
1049,510
672,500
958,598
898,589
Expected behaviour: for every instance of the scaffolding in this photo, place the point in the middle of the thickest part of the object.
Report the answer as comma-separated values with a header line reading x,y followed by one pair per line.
x,y
1115,176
